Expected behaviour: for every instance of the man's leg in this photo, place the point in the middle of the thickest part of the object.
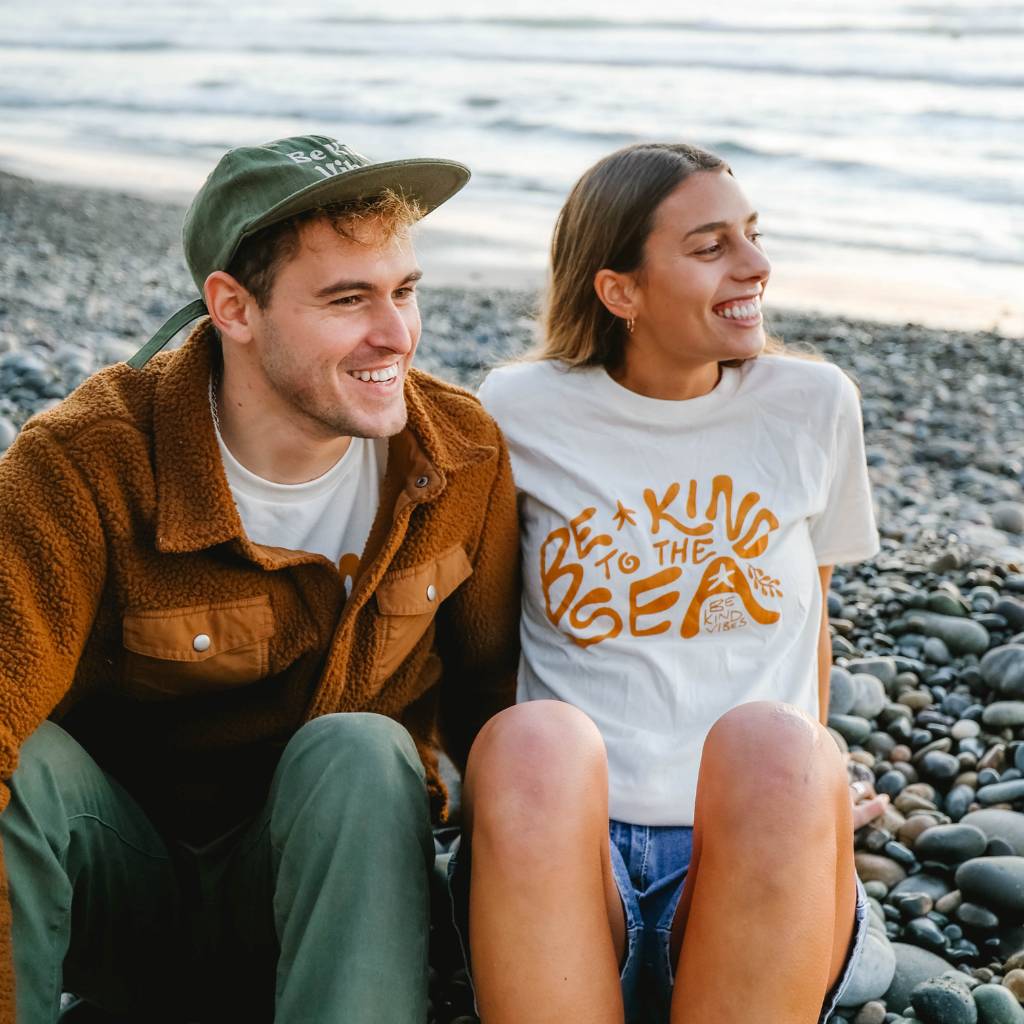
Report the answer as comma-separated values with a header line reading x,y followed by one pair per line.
x,y
772,870
345,851
93,893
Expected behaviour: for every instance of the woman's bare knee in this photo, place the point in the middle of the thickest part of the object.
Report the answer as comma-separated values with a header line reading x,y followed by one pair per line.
x,y
767,758
536,767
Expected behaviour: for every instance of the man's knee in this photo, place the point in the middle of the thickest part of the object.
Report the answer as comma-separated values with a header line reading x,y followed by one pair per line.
x,y
352,756
53,768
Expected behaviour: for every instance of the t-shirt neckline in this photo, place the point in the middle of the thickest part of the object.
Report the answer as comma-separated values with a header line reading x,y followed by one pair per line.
x,y
669,410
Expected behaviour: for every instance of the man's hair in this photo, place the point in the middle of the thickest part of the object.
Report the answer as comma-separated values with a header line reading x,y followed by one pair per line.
x,y
260,256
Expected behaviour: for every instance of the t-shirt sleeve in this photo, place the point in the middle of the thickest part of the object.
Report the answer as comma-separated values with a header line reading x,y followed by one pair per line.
x,y
845,530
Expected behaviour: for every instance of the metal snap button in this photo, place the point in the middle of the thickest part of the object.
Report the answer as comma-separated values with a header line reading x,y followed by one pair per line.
x,y
201,642
431,592
422,481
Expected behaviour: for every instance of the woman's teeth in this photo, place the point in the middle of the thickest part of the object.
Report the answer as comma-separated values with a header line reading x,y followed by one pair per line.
x,y
740,311
380,376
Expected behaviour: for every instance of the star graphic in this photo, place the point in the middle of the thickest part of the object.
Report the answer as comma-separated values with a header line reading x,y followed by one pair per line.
x,y
722,578
624,515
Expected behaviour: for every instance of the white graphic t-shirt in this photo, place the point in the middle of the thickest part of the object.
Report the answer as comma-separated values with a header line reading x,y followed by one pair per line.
x,y
670,552
330,516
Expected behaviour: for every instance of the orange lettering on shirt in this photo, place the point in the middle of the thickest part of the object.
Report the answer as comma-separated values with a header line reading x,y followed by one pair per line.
x,y
657,508
580,533
596,596
660,604
553,571
749,545
723,576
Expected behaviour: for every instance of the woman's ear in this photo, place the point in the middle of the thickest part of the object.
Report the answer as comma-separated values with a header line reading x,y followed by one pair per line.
x,y
230,306
617,291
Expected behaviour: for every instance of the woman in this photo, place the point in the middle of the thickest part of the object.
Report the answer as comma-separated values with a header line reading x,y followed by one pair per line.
x,y
663,824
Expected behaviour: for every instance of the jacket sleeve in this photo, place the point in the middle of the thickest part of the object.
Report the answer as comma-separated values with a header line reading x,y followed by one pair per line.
x,y
52,570
479,638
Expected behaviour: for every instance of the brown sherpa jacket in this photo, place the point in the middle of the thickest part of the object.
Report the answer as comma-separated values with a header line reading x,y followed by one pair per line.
x,y
120,543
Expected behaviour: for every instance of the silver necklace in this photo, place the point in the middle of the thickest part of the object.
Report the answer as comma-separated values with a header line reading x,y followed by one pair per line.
x,y
213,404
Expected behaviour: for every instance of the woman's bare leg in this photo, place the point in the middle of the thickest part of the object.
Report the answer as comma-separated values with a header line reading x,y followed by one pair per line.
x,y
768,905
547,928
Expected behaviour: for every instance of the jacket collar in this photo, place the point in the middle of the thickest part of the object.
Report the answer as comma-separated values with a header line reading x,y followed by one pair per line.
x,y
195,509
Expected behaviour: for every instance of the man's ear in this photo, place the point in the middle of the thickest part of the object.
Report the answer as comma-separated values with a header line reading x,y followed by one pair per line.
x,y
231,306
618,293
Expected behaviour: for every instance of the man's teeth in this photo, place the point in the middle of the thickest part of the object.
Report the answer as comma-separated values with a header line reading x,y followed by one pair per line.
x,y
743,311
380,376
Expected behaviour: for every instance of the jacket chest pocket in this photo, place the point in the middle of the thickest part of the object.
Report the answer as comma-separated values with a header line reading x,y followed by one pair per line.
x,y
183,652
408,599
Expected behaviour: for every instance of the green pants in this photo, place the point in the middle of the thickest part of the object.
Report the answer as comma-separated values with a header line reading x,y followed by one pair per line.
x,y
316,911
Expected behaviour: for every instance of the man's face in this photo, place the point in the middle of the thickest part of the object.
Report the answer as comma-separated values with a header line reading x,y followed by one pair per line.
x,y
337,338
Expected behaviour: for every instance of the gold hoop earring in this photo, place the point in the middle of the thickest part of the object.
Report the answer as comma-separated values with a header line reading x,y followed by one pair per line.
x,y
630,324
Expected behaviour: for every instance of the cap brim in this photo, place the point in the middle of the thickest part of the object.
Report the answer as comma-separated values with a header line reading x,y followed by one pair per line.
x,y
429,182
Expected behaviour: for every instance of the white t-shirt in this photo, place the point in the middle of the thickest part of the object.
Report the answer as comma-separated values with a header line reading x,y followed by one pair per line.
x,y
670,552
330,516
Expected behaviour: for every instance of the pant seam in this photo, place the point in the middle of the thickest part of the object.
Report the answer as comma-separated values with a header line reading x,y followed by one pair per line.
x,y
117,832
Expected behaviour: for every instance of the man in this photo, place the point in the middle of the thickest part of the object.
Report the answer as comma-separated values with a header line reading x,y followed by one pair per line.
x,y
245,589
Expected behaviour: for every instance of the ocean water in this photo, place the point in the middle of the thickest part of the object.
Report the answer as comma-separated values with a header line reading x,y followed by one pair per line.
x,y
882,142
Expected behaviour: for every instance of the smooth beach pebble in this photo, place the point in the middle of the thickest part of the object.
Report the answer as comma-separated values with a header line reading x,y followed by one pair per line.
x,y
871,1013
1002,668
913,965
842,691
950,844
944,1001
1004,714
873,972
1001,793
996,882
1014,981
872,867
997,1005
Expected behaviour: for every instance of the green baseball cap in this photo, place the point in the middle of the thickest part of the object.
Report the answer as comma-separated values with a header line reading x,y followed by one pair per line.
x,y
253,187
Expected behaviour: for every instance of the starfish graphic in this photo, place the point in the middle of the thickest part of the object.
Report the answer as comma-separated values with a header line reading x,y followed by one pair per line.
x,y
624,515
723,578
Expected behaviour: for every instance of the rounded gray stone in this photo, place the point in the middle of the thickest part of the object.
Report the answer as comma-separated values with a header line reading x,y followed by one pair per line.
x,y
993,882
842,691
998,823
950,844
1004,714
1008,516
961,636
1001,792
870,696
997,1005
944,1001
913,965
1003,669
873,972
853,729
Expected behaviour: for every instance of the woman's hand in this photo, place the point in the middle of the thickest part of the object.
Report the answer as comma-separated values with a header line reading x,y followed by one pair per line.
x,y
867,804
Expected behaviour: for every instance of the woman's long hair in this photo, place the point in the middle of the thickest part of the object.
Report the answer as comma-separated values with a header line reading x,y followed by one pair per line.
x,y
605,223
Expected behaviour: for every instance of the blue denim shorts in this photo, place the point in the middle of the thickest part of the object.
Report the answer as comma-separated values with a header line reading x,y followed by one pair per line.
x,y
649,864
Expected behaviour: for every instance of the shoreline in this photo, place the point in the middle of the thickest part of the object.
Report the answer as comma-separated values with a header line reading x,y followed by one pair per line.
x,y
454,256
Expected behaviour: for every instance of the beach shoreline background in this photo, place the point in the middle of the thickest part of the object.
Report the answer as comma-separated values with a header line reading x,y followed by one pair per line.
x,y
880,141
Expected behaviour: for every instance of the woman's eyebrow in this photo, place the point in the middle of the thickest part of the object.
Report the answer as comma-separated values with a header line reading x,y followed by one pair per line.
x,y
716,225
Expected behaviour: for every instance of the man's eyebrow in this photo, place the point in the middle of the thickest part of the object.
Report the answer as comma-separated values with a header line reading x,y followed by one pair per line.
x,y
716,225
361,286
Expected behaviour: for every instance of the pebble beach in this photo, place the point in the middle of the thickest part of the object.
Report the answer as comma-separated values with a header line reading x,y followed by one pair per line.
x,y
928,637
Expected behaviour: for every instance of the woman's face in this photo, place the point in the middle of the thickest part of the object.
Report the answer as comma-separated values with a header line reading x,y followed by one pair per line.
x,y
698,294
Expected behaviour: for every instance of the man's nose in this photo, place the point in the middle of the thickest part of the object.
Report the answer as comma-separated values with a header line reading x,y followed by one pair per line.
x,y
390,329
